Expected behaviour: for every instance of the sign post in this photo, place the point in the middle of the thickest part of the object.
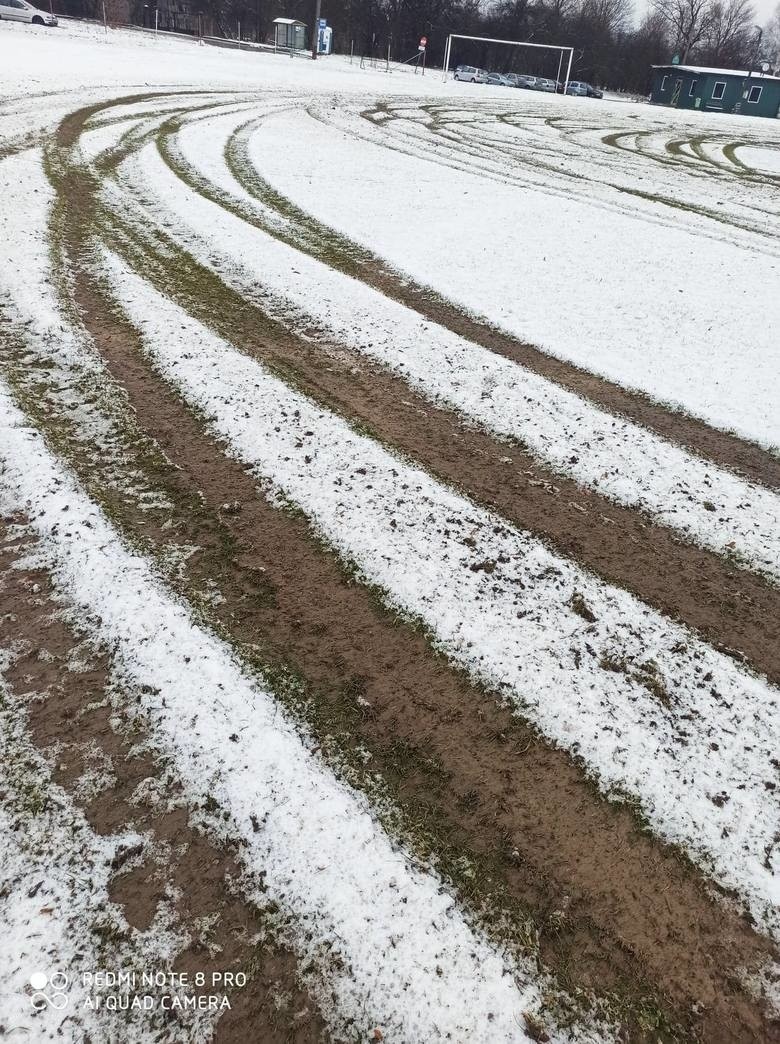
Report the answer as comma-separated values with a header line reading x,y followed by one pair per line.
x,y
421,52
315,41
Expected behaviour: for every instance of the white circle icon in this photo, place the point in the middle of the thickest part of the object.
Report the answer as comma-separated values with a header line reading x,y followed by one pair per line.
x,y
58,982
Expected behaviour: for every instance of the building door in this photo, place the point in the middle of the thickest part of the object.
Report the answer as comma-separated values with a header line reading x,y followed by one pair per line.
x,y
676,92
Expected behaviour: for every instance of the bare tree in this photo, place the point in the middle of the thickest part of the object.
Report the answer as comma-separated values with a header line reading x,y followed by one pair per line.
x,y
688,22
606,16
598,28
771,39
646,46
729,33
553,15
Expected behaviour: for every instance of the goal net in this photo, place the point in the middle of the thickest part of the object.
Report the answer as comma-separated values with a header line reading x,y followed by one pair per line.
x,y
550,61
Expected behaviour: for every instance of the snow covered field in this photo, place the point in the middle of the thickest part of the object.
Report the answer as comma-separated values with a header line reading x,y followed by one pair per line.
x,y
389,514
601,278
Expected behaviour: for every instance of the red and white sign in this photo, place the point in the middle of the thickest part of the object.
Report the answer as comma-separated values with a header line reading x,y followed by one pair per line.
x,y
423,41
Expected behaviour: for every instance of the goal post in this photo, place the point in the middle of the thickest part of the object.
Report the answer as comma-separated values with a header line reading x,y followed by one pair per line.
x,y
513,43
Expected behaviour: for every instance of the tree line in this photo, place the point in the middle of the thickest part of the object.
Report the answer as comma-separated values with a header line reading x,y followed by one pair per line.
x,y
611,49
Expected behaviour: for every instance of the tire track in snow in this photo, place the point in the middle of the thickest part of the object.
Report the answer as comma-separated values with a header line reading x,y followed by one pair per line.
x,y
626,463
65,348
56,913
652,711
333,631
651,915
320,240
57,368
382,941
709,443
622,546
104,760
440,131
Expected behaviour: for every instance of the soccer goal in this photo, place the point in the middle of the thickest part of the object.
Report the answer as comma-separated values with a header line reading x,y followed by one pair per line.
x,y
565,53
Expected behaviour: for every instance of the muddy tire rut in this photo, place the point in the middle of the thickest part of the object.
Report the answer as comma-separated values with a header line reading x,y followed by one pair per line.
x,y
306,233
734,609
70,720
608,908
468,776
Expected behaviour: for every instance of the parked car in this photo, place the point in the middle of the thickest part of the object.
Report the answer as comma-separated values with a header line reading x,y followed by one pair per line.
x,y
526,82
471,74
543,84
21,11
583,90
498,80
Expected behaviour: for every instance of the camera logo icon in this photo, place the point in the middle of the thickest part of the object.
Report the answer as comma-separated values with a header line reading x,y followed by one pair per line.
x,y
54,997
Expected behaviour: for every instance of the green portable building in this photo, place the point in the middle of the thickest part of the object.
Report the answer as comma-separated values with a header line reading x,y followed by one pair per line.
x,y
716,90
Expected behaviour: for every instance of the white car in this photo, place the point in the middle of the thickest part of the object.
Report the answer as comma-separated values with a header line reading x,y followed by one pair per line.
x,y
21,11
469,73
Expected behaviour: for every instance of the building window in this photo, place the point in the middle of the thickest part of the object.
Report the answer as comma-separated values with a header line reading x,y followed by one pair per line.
x,y
754,94
718,89
693,88
663,83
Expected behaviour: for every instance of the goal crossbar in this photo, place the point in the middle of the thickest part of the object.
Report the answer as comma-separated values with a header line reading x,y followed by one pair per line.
x,y
514,43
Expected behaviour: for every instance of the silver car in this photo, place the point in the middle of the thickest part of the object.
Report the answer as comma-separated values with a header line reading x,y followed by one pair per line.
x,y
471,74
21,11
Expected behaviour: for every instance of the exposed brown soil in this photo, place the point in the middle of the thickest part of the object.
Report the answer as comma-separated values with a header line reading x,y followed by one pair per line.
x,y
734,609
615,909
722,448
201,871
501,792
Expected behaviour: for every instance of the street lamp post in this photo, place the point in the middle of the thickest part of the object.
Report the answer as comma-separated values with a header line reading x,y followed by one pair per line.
x,y
745,89
315,36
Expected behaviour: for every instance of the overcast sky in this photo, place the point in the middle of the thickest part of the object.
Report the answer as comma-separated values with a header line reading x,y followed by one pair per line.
x,y
764,9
